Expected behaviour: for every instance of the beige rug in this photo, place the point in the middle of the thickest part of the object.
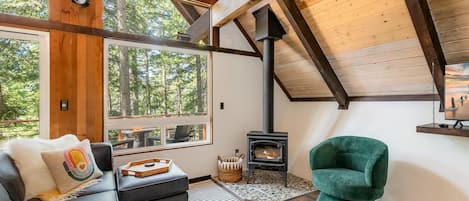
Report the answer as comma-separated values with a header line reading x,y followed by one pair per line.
x,y
269,186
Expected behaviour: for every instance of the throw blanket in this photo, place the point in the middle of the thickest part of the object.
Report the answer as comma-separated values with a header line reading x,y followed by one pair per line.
x,y
54,195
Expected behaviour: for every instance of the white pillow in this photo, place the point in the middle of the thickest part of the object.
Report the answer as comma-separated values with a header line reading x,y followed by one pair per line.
x,y
26,154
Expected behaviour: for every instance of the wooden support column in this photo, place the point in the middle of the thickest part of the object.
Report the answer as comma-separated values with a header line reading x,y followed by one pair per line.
x,y
428,37
311,45
259,53
76,72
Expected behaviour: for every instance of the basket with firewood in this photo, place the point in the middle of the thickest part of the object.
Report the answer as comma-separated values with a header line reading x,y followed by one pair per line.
x,y
230,168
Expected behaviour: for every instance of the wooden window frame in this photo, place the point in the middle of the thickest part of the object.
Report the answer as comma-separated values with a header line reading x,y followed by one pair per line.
x,y
43,39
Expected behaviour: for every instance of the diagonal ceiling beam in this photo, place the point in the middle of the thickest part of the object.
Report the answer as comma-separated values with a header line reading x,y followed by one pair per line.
x,y
200,29
226,10
189,12
259,53
203,3
428,37
311,45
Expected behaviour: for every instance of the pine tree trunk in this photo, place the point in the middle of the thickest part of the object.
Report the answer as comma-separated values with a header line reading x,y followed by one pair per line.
x,y
123,61
165,91
147,84
200,101
2,106
135,102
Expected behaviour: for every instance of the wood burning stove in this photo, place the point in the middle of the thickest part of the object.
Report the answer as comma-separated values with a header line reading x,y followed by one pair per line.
x,y
268,149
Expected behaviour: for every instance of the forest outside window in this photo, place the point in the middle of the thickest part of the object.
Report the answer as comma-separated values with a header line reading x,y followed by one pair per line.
x,y
156,97
24,84
37,9
169,19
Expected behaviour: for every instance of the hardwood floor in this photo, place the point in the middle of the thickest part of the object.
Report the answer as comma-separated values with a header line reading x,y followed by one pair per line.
x,y
308,197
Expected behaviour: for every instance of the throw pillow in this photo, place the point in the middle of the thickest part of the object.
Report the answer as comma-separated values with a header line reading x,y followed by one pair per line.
x,y
26,153
72,166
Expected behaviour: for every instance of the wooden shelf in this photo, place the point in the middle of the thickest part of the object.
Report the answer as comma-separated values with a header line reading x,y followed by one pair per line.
x,y
435,129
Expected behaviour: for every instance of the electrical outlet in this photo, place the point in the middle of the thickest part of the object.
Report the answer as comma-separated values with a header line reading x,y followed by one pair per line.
x,y
222,105
236,151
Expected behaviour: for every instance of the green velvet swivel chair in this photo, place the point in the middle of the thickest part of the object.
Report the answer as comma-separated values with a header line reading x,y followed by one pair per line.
x,y
349,168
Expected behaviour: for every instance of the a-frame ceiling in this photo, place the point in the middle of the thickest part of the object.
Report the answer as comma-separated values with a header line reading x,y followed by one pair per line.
x,y
372,45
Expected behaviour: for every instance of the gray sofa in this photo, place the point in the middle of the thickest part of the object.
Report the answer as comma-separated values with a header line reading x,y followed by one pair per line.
x,y
161,187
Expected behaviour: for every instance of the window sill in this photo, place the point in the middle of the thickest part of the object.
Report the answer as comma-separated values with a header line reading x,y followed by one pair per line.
x,y
166,147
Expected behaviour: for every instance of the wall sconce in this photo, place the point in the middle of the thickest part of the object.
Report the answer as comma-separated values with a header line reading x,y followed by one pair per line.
x,y
82,3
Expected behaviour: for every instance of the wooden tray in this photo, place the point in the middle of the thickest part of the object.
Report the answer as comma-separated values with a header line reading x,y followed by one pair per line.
x,y
138,169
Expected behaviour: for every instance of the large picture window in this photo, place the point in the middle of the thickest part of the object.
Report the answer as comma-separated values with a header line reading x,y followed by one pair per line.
x,y
158,18
155,96
24,84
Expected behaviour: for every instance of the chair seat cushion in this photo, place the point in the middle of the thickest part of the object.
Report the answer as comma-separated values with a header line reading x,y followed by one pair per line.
x,y
103,196
345,184
153,187
107,184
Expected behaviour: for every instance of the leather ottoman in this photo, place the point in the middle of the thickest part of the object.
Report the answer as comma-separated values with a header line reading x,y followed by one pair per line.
x,y
170,186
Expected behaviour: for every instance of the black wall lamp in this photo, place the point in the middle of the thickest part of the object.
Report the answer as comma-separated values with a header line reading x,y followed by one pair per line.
x,y
82,3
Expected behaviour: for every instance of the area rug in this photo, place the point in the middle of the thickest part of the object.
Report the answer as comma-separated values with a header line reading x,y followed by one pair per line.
x,y
269,186
209,191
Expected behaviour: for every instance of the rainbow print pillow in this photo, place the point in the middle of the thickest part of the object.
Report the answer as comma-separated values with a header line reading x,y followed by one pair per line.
x,y
72,166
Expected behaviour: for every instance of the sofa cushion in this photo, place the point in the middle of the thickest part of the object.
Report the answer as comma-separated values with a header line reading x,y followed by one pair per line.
x,y
103,196
153,187
10,178
107,184
345,184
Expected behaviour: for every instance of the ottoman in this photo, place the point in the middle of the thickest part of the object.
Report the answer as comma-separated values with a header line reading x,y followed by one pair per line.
x,y
170,186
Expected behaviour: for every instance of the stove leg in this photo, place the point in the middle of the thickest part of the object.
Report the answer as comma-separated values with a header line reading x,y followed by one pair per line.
x,y
285,177
249,175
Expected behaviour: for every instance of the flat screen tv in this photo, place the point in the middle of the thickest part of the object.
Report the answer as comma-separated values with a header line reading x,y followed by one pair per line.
x,y
457,92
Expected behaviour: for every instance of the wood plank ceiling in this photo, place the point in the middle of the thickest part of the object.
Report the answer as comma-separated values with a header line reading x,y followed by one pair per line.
x,y
371,45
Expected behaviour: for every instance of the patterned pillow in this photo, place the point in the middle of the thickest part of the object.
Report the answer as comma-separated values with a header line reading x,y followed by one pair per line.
x,y
72,166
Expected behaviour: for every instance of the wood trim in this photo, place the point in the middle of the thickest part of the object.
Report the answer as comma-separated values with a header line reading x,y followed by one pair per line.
x,y
428,37
259,53
311,45
215,36
49,25
422,97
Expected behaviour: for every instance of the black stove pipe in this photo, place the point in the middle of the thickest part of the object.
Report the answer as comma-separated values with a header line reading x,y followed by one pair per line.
x,y
268,106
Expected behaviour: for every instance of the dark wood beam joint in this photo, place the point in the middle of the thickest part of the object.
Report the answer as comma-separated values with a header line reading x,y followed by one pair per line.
x,y
300,26
420,13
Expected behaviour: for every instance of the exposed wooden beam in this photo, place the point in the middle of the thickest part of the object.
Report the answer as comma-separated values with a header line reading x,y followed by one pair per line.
x,y
422,97
428,37
259,53
203,3
200,29
215,37
16,21
311,45
226,10
189,12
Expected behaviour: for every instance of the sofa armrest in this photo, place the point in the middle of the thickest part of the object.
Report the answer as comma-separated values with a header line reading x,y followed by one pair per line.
x,y
323,156
103,155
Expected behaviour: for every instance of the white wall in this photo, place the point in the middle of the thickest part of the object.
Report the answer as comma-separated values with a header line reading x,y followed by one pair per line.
x,y
236,82
422,167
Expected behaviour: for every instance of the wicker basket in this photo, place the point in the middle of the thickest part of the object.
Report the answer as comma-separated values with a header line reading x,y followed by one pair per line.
x,y
230,168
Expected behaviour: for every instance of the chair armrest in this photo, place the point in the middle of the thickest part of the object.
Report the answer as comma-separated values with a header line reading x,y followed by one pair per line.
x,y
376,169
323,156
103,155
